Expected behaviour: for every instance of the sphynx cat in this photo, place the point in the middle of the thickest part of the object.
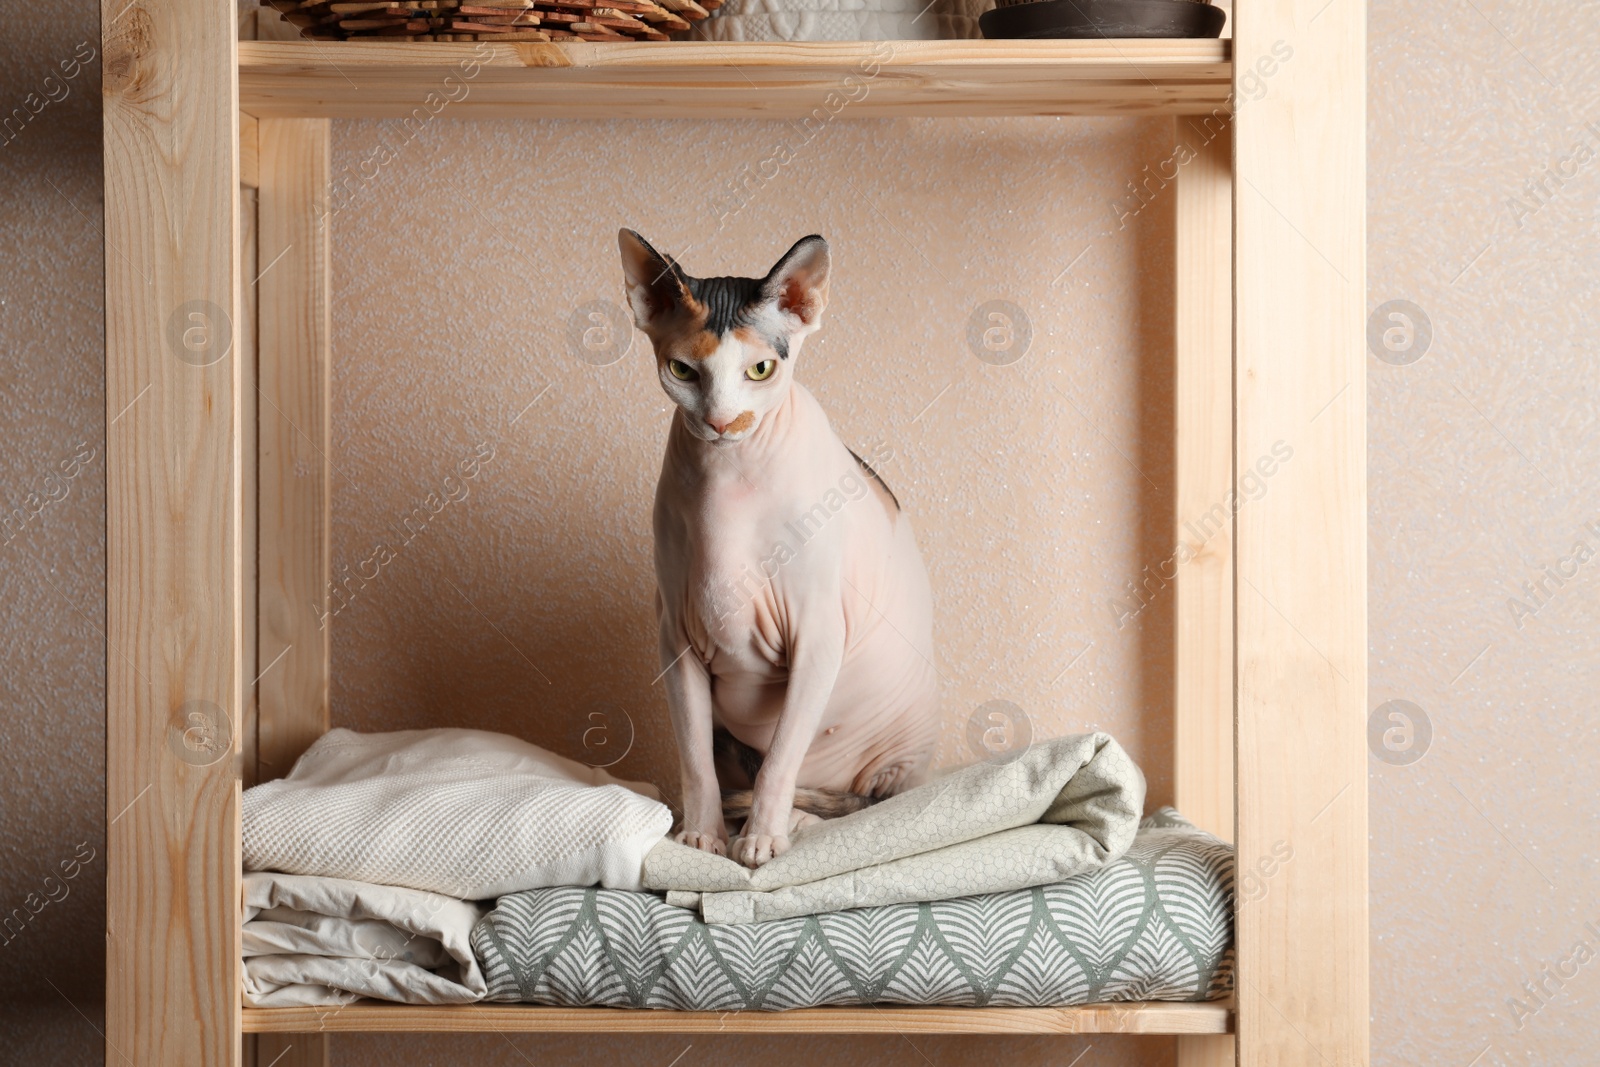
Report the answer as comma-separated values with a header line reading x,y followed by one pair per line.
x,y
795,613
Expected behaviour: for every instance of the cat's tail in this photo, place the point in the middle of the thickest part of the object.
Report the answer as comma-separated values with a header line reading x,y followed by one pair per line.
x,y
823,803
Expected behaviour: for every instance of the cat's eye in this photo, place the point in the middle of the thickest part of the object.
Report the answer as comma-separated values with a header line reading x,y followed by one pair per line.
x,y
681,370
762,371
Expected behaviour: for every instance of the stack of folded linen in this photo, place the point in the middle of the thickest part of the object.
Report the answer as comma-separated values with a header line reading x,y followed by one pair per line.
x,y
367,859
1027,882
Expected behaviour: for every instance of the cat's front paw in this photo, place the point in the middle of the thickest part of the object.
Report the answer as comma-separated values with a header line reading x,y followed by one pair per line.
x,y
705,842
756,849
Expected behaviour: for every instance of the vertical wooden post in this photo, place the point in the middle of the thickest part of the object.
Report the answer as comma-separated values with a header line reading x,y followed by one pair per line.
x,y
293,470
1203,715
249,179
174,622
294,440
1300,416
247,477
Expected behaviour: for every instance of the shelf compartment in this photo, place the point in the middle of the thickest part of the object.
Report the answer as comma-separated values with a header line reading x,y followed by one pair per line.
x,y
734,79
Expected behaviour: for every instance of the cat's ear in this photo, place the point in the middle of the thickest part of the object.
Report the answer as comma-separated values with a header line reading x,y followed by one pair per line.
x,y
798,284
656,288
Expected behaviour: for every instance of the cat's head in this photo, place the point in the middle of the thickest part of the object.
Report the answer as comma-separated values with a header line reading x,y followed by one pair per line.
x,y
726,347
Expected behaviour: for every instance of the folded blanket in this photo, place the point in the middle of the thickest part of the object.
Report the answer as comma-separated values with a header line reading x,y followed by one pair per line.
x,y
1060,808
466,813
326,941
1154,925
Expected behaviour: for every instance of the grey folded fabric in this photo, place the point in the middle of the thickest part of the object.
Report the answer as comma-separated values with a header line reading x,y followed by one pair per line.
x,y
1156,924
1057,809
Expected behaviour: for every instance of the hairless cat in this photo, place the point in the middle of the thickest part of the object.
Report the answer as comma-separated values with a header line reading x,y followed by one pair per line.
x,y
795,613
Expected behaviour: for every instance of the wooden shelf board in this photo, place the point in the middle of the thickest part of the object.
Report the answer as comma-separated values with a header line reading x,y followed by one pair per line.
x,y
730,79
1131,1018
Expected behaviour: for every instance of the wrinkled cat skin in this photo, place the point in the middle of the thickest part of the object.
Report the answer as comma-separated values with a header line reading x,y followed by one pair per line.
x,y
794,608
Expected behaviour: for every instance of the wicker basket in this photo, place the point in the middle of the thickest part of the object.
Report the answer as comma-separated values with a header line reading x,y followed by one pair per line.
x,y
492,20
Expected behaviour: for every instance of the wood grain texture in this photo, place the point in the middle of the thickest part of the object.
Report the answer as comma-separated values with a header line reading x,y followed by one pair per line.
x,y
174,625
1133,1018
1203,429
249,162
294,433
1299,379
249,716
676,79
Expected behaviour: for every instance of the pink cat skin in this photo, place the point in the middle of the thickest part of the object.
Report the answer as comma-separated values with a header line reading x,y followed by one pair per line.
x,y
796,619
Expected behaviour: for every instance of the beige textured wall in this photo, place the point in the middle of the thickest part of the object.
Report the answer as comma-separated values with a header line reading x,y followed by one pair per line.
x,y
1484,460
52,569
526,604
456,268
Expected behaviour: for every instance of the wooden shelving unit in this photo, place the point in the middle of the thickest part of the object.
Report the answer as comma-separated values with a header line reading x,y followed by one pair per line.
x,y
217,159
1152,1018
686,79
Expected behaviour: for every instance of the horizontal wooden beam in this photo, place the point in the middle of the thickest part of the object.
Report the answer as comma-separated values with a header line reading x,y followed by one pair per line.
x,y
1131,1018
730,79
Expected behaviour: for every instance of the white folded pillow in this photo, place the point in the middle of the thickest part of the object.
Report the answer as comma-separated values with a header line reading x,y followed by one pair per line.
x,y
469,813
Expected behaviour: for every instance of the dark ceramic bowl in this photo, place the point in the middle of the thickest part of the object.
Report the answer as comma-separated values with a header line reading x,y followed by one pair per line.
x,y
1102,18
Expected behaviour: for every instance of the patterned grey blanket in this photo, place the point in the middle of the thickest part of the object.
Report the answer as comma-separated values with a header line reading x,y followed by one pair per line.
x,y
1153,925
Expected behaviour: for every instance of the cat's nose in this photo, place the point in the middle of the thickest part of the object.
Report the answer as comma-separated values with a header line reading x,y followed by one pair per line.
x,y
720,427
